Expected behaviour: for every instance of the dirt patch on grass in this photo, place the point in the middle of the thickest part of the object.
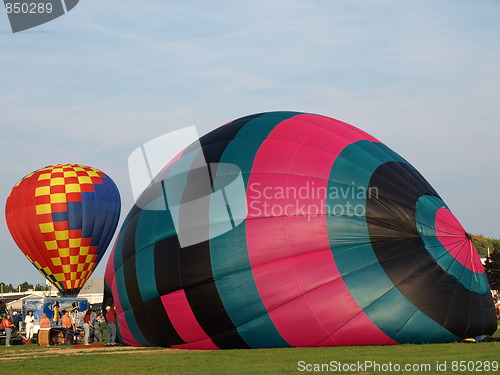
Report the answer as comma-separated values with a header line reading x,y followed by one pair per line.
x,y
69,350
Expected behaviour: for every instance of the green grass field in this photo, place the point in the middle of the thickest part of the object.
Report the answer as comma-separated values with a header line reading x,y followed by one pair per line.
x,y
399,359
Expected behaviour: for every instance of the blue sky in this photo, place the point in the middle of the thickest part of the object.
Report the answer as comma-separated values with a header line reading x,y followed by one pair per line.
x,y
94,84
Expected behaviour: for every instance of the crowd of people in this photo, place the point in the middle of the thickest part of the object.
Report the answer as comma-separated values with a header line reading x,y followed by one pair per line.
x,y
497,306
90,323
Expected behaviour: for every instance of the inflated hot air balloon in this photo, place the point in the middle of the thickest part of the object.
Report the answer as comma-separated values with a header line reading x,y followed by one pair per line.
x,y
63,218
291,229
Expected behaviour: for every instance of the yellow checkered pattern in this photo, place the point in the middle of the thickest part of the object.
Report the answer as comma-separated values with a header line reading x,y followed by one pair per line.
x,y
70,257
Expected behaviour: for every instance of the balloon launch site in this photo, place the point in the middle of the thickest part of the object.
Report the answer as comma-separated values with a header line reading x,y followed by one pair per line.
x,y
265,187
278,229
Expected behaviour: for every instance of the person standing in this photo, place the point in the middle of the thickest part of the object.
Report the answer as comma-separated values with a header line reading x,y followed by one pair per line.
x,y
111,324
30,325
16,319
20,317
45,322
9,326
86,326
497,307
66,320
74,319
94,322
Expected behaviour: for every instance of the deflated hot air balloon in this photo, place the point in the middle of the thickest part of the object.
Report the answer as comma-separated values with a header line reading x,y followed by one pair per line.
x,y
63,218
292,229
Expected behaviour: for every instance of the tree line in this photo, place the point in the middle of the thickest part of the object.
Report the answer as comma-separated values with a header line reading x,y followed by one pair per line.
x,y
490,247
23,287
483,244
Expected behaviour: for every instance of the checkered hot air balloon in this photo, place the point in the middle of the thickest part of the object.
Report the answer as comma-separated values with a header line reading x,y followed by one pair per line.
x,y
63,218
334,239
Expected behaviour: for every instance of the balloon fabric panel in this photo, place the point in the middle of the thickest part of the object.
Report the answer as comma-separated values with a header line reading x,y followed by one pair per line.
x,y
341,242
63,218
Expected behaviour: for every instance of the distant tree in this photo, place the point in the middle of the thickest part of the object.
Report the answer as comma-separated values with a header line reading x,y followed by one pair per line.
x,y
484,244
25,286
41,287
7,288
492,269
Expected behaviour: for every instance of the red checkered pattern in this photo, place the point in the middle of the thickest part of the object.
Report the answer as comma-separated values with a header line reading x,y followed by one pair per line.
x,y
72,256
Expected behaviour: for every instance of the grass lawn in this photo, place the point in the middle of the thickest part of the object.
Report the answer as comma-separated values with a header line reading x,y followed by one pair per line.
x,y
421,359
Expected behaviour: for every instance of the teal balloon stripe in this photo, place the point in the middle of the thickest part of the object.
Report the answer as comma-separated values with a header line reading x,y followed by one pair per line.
x,y
427,207
357,263
229,254
122,289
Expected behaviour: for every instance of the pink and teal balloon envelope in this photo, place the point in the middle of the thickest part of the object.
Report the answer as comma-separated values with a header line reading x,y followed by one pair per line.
x,y
333,239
